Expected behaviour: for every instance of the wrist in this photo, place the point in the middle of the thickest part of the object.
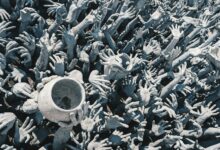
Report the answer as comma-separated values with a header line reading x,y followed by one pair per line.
x,y
176,38
200,120
88,20
15,141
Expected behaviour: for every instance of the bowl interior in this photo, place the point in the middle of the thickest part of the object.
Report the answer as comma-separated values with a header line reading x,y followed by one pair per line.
x,y
67,94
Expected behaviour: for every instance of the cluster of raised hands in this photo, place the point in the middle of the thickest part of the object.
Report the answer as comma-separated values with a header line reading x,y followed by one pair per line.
x,y
150,69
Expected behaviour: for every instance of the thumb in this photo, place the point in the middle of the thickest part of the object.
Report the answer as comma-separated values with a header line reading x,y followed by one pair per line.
x,y
1,72
16,126
153,123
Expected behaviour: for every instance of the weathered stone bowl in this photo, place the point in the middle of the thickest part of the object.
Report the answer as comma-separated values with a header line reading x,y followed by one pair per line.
x,y
59,97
